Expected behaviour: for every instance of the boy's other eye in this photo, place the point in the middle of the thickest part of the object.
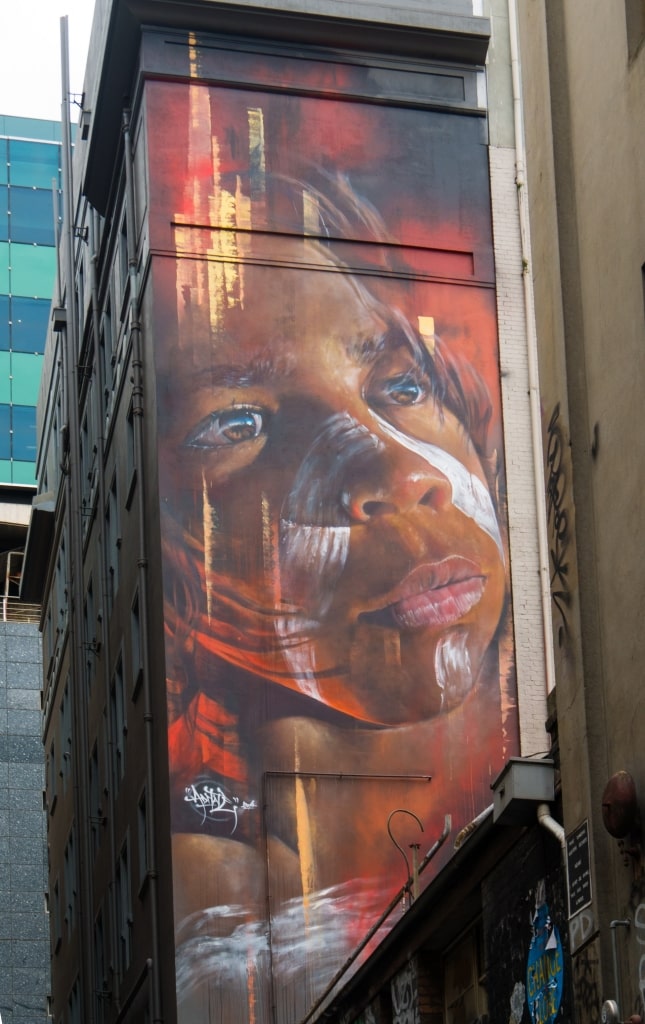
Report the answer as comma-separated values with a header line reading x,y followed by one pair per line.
x,y
227,426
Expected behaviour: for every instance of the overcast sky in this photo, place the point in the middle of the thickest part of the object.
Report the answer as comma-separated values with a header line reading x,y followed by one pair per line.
x,y
30,63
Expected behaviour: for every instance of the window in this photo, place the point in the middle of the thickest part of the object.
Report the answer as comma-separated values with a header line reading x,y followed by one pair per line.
x,y
32,215
112,541
33,270
142,823
29,321
119,724
61,585
4,213
124,909
464,991
70,883
101,988
52,777
5,431
34,164
123,267
135,642
66,737
94,794
23,421
130,460
74,1004
56,933
106,351
4,323
96,819
89,628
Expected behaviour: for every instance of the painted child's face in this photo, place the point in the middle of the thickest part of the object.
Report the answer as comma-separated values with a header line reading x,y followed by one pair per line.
x,y
349,542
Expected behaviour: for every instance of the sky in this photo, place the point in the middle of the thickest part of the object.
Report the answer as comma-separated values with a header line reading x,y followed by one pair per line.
x,y
30,61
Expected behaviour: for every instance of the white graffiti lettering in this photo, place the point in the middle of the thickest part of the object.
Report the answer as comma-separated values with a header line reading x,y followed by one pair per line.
x,y
214,803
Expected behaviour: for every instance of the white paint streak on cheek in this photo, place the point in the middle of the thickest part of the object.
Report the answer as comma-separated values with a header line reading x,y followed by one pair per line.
x,y
469,494
312,559
453,669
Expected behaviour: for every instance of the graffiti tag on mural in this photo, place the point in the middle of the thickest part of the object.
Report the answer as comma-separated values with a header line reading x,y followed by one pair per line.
x,y
557,517
586,993
404,997
216,805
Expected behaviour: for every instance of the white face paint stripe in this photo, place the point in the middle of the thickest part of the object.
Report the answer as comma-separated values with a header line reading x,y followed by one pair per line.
x,y
323,550
469,494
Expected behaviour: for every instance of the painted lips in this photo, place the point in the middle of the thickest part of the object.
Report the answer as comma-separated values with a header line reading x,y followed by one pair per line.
x,y
431,596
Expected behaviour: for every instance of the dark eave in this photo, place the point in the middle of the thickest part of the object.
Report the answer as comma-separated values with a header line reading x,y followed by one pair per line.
x,y
38,548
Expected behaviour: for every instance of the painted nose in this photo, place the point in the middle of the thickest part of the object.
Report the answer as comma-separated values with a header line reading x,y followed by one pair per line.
x,y
394,483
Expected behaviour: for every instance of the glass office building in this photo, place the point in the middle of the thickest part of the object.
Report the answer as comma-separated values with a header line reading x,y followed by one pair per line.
x,y
30,161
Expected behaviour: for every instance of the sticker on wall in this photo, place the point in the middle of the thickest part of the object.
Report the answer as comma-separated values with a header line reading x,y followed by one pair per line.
x,y
544,969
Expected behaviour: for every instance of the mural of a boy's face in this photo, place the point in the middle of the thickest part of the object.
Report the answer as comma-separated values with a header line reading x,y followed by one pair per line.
x,y
340,512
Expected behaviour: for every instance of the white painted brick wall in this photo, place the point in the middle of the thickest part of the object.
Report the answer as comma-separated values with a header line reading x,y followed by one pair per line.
x,y
522,504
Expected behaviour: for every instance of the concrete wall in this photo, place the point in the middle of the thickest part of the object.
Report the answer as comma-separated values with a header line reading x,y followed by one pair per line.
x,y
24,923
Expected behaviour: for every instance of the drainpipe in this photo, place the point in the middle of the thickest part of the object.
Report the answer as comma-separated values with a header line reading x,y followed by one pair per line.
x,y
624,923
98,431
548,822
142,561
532,347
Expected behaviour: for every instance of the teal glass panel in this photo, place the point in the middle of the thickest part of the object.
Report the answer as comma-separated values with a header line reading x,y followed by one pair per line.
x,y
33,270
23,421
4,322
4,268
29,320
4,213
23,472
5,471
33,163
31,128
3,162
26,371
5,377
5,436
32,215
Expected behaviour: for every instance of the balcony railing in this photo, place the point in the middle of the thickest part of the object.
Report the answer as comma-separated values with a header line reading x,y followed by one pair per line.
x,y
14,610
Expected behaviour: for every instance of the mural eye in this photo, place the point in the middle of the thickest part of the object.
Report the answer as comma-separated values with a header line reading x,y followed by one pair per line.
x,y
227,426
404,389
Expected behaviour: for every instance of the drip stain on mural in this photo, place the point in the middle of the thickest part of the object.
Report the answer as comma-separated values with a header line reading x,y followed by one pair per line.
x,y
334,525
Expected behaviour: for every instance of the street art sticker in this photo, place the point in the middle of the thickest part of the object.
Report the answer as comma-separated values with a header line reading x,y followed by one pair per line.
x,y
544,970
331,479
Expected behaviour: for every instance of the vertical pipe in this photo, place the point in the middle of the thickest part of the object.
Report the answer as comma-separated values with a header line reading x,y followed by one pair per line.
x,y
624,923
75,547
97,429
142,561
532,350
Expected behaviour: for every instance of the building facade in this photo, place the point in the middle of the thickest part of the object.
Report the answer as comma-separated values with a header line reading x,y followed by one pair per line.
x,y
30,164
29,186
297,605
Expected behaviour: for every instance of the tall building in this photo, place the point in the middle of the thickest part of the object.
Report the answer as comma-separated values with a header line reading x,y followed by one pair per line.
x,y
293,532
29,179
585,175
29,176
